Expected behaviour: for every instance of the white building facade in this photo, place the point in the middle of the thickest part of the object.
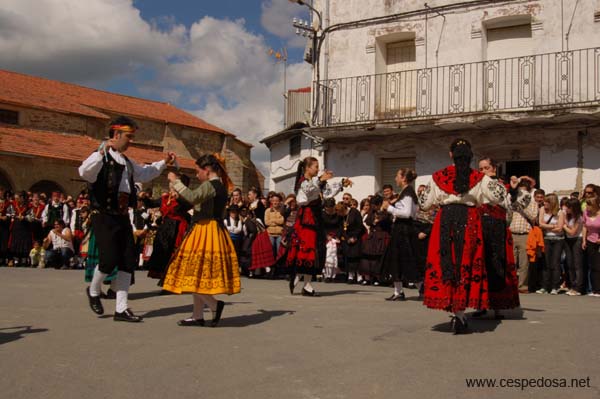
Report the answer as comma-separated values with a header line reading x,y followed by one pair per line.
x,y
397,82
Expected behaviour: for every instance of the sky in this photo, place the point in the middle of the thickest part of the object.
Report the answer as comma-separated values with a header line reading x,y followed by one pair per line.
x,y
208,57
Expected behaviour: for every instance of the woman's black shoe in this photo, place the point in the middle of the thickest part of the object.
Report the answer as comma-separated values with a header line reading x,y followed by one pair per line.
x,y
218,313
399,297
459,326
291,285
191,322
309,293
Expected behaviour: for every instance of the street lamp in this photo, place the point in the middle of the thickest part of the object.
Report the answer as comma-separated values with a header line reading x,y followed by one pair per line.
x,y
302,3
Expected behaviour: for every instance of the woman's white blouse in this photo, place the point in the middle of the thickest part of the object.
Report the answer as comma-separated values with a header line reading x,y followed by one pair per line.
x,y
310,190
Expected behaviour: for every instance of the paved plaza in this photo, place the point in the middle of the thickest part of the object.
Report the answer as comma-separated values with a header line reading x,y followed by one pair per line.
x,y
349,343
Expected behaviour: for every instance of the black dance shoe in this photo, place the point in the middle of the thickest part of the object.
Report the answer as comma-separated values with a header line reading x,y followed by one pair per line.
x,y
191,322
399,297
305,292
95,302
459,326
127,315
292,285
218,313
479,313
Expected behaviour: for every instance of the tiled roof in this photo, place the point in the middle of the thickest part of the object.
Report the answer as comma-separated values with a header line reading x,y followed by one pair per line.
x,y
301,90
26,90
38,143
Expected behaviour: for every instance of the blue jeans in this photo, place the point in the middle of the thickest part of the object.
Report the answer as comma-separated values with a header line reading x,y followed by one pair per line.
x,y
275,242
58,257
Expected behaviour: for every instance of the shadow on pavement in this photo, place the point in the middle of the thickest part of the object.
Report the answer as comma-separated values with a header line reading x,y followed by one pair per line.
x,y
475,326
143,295
343,292
169,311
6,337
252,319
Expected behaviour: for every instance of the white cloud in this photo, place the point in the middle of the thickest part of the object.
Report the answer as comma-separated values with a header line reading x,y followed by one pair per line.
x,y
80,41
277,17
219,62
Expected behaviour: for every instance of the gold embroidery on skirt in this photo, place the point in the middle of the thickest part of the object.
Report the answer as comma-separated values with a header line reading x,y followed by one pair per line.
x,y
205,263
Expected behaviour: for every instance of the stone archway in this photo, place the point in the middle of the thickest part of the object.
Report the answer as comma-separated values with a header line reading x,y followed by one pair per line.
x,y
47,187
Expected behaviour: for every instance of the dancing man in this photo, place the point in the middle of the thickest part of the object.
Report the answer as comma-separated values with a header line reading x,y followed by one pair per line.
x,y
111,176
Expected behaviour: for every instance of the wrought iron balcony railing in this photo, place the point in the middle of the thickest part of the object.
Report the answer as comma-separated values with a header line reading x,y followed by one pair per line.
x,y
565,79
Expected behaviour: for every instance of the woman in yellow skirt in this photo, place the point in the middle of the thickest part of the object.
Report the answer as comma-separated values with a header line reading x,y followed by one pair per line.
x,y
205,263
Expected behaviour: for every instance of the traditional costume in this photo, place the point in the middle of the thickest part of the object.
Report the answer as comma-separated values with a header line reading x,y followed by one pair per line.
x,y
503,284
21,237
455,274
4,231
111,178
400,258
306,253
374,244
350,234
169,234
206,262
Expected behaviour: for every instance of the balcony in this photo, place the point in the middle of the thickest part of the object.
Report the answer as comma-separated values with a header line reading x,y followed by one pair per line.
x,y
551,81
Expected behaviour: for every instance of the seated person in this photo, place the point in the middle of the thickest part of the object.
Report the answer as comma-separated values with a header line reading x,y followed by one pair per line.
x,y
61,239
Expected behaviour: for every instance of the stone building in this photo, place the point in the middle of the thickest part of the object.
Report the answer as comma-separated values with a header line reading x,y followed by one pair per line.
x,y
398,80
48,127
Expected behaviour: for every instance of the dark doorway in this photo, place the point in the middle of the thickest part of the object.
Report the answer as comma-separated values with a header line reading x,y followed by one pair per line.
x,y
47,187
5,182
523,168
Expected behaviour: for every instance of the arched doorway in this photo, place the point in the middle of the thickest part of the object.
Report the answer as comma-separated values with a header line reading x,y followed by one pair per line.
x,y
47,187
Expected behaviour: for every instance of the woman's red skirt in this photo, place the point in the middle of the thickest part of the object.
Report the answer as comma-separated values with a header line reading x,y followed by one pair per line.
x,y
471,290
303,254
262,252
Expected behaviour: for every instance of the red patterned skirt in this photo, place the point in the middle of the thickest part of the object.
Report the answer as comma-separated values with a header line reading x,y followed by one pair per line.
x,y
262,252
470,289
304,254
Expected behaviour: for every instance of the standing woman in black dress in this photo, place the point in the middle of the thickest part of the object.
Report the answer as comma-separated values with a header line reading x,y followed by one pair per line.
x,y
400,259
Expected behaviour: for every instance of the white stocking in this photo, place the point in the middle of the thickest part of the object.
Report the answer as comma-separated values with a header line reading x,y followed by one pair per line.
x,y
122,286
96,284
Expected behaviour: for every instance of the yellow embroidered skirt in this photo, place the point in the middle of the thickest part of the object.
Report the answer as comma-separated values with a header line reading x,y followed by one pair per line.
x,y
204,263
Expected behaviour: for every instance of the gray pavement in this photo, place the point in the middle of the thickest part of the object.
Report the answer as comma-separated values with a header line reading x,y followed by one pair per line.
x,y
349,343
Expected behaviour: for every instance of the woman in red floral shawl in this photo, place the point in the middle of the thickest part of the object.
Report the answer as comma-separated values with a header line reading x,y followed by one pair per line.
x,y
455,274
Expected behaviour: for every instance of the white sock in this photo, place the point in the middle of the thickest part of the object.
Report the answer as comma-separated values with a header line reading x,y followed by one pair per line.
x,y
307,286
198,312
122,285
96,284
296,279
460,315
397,287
